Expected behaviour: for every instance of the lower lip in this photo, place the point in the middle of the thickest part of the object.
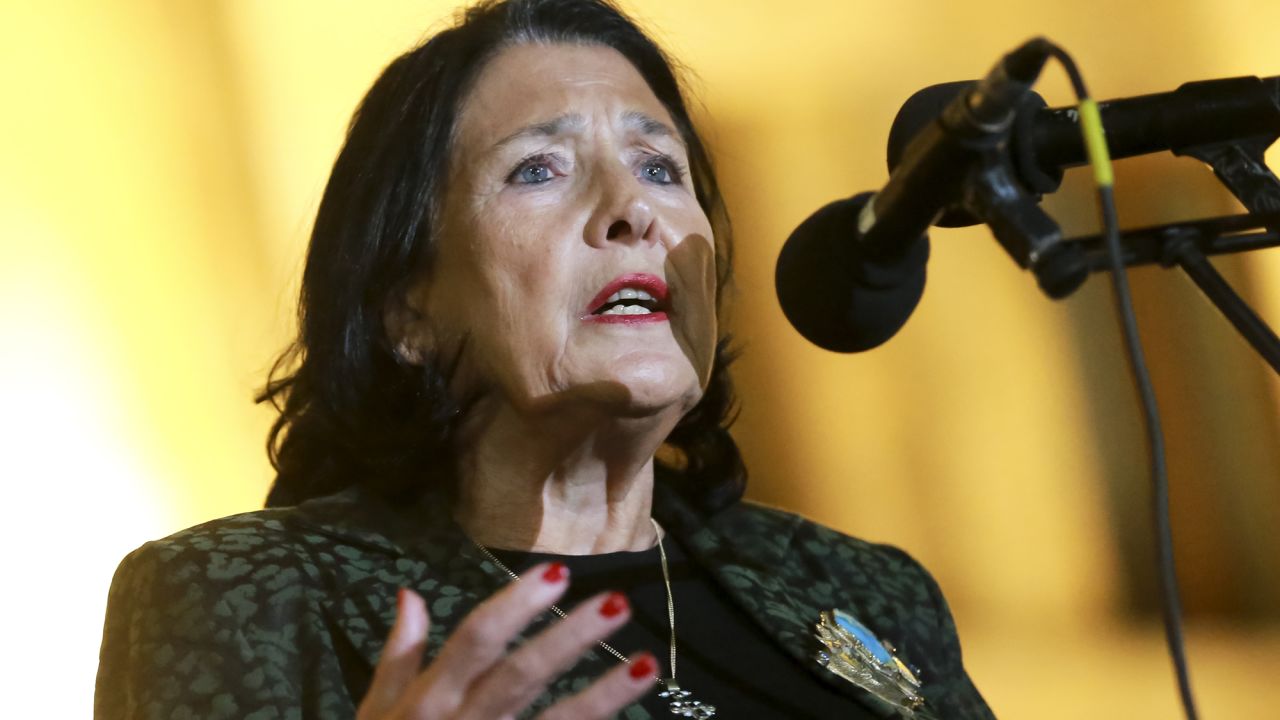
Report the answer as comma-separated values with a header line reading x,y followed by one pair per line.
x,y
628,319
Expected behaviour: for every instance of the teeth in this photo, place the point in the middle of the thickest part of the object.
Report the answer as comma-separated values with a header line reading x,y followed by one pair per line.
x,y
627,310
628,294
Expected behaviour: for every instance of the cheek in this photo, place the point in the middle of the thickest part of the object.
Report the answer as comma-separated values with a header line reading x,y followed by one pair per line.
x,y
506,298
491,271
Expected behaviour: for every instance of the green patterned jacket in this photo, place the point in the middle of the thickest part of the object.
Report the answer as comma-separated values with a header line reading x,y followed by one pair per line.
x,y
282,613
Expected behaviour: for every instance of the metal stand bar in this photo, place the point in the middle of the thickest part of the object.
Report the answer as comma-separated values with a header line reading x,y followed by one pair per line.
x,y
1186,245
1218,290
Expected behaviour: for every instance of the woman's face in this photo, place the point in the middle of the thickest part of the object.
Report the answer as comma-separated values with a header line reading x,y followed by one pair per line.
x,y
572,255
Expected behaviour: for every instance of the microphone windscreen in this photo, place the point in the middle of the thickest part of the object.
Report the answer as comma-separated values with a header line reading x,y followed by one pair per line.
x,y
835,297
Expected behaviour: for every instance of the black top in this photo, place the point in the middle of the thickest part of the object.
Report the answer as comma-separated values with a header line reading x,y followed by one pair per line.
x,y
722,657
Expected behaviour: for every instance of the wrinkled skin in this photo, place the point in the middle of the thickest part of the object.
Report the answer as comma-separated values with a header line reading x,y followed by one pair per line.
x,y
535,225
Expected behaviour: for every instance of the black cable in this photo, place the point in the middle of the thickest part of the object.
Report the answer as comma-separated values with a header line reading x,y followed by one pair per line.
x,y
1171,604
1073,72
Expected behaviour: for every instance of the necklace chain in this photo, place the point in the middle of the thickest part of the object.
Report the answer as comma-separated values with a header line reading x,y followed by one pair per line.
x,y
666,579
679,700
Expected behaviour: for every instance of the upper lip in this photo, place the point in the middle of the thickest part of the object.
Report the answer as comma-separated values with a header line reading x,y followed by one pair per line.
x,y
651,284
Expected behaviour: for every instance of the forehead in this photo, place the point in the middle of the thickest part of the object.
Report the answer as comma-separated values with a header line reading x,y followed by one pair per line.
x,y
534,83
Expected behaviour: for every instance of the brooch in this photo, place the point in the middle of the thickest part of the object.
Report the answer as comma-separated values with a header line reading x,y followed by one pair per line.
x,y
854,653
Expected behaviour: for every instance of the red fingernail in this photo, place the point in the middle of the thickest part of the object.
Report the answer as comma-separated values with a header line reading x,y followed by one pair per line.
x,y
400,597
555,573
614,605
642,667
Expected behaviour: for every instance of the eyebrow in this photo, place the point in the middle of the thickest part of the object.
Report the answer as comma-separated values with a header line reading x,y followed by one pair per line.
x,y
633,119
548,128
648,125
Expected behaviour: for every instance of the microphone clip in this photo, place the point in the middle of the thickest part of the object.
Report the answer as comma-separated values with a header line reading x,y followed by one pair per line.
x,y
993,195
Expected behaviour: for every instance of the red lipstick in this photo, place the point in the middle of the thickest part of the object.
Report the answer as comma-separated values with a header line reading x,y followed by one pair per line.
x,y
651,284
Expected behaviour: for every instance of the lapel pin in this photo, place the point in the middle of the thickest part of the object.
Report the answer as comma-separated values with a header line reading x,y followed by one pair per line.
x,y
854,653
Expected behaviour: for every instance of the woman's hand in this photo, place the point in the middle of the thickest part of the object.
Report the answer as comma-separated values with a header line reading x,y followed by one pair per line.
x,y
474,675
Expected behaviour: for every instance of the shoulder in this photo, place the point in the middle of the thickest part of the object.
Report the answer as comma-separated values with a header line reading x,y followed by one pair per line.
x,y
234,614
826,549
304,542
831,568
261,532
273,569
221,551
277,560
887,586
249,568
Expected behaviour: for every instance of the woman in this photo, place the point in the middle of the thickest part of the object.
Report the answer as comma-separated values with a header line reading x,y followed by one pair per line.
x,y
509,366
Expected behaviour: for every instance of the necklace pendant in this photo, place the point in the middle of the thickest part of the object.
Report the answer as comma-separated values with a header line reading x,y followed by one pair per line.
x,y
681,705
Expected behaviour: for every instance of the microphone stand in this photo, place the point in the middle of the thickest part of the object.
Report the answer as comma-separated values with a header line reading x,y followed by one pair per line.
x,y
995,192
1060,265
1241,167
1186,245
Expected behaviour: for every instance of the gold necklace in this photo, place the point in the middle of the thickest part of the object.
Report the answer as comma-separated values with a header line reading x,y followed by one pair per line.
x,y
680,703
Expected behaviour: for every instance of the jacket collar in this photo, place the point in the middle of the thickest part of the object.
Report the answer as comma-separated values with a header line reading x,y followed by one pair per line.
x,y
746,550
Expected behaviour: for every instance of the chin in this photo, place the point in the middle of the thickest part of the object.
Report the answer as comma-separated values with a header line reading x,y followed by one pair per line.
x,y
649,389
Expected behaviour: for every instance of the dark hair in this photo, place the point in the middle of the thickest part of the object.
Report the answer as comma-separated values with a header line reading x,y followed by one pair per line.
x,y
352,411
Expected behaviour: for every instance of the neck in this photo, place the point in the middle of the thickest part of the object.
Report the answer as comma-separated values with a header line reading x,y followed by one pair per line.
x,y
572,485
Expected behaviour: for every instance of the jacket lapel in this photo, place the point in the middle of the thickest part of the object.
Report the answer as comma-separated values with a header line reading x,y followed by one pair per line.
x,y
747,552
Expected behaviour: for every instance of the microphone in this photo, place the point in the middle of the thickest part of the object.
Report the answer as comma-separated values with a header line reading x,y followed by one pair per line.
x,y
852,273
1044,141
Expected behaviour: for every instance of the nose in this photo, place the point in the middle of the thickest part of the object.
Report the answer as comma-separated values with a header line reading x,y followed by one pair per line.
x,y
623,214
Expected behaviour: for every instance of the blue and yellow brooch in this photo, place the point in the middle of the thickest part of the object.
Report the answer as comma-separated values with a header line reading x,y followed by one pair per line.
x,y
854,653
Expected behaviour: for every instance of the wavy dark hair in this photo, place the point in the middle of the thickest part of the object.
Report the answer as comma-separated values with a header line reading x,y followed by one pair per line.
x,y
352,411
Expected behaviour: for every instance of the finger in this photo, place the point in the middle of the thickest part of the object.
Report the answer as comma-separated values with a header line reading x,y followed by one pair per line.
x,y
482,639
522,675
607,696
401,659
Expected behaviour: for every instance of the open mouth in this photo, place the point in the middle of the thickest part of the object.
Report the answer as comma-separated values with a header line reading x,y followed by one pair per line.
x,y
629,301
632,296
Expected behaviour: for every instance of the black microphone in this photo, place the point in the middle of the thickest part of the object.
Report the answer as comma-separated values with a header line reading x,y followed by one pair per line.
x,y
852,273
1044,141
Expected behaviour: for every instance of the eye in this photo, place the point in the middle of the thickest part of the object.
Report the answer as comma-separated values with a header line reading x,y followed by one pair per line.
x,y
532,174
662,170
533,171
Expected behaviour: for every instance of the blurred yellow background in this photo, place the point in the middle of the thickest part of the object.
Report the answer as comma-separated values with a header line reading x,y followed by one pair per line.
x,y
162,161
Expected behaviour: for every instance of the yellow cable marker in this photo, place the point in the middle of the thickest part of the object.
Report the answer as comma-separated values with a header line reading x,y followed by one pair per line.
x,y
1095,143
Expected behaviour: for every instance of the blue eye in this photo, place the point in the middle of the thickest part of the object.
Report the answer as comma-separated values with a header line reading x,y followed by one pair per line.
x,y
533,174
662,170
532,171
657,173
